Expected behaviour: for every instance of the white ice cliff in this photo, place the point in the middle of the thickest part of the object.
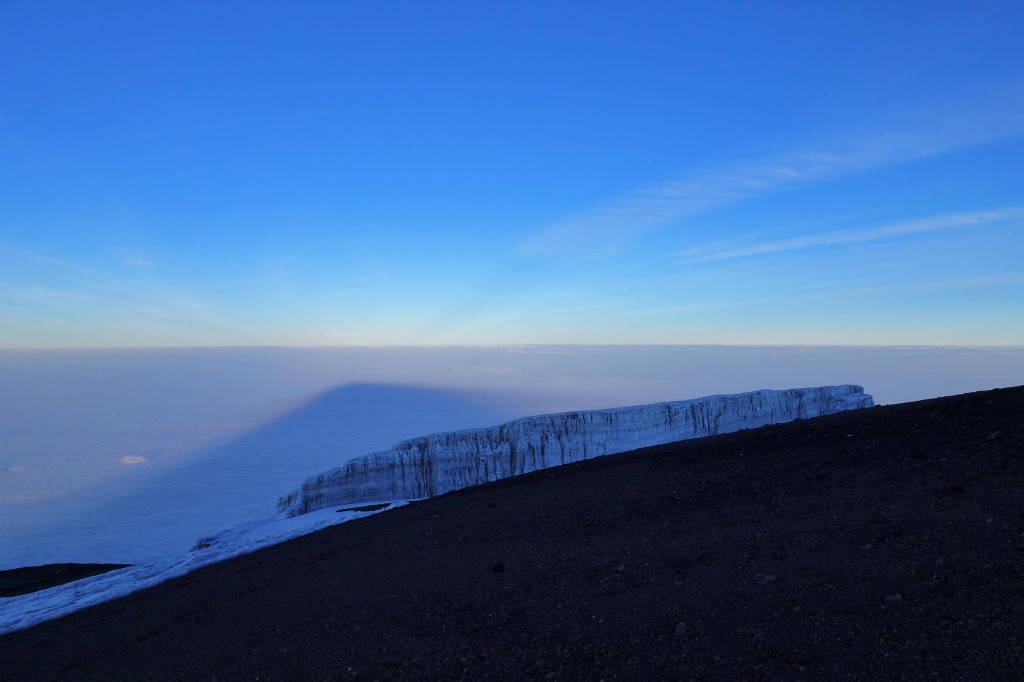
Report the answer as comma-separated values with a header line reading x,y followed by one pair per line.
x,y
431,465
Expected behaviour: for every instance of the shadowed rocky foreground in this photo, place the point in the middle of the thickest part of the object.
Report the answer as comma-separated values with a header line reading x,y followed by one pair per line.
x,y
877,544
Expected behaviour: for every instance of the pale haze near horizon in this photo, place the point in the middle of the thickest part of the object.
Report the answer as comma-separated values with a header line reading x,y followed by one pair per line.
x,y
129,456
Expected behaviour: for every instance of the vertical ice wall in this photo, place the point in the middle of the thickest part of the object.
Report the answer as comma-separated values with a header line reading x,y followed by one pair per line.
x,y
435,464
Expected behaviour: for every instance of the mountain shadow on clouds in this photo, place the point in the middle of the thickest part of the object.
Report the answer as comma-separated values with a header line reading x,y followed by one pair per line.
x,y
240,481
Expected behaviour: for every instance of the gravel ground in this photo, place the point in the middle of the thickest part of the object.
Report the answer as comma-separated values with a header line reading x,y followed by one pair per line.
x,y
882,544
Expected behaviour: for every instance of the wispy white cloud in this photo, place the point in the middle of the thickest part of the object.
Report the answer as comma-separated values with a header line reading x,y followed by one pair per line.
x,y
909,227
108,299
842,289
603,230
45,299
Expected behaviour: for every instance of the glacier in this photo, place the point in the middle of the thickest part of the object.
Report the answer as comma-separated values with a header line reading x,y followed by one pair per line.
x,y
441,462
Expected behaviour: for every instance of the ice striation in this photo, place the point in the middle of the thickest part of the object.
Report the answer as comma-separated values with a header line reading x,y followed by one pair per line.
x,y
441,462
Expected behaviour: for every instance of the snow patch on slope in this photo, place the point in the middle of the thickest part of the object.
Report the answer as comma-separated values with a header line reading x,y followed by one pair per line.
x,y
23,611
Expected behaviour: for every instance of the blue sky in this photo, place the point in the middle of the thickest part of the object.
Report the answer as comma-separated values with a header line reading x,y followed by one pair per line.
x,y
259,173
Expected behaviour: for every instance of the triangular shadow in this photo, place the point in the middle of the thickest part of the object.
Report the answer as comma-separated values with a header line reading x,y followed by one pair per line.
x,y
240,481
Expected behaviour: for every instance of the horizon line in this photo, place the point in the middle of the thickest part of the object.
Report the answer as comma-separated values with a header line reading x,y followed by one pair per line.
x,y
499,346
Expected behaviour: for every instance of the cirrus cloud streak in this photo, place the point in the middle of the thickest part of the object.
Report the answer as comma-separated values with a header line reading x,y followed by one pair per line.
x,y
927,132
839,238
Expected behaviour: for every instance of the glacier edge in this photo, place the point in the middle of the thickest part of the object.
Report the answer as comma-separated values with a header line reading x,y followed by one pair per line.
x,y
441,462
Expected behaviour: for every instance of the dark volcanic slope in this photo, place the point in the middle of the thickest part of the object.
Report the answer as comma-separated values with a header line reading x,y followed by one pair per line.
x,y
882,544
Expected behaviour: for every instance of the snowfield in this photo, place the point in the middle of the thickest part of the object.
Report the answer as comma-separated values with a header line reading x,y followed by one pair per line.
x,y
17,613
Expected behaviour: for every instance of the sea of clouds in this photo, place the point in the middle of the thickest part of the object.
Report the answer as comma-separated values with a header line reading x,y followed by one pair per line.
x,y
129,456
